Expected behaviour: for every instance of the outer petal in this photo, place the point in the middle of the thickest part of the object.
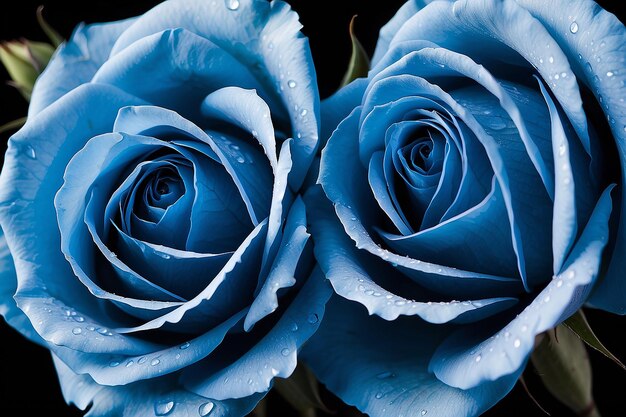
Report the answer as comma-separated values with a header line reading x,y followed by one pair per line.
x,y
596,50
32,173
260,35
156,397
470,357
404,13
75,62
338,106
8,285
382,368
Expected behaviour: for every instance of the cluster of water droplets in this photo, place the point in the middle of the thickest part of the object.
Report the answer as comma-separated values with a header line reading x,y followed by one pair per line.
x,y
166,407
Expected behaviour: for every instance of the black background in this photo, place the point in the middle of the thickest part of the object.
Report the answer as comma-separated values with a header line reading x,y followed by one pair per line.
x,y
28,382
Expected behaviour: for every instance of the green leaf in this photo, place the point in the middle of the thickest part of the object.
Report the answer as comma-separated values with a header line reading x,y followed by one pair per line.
x,y
24,61
52,34
301,391
359,63
13,125
563,365
580,326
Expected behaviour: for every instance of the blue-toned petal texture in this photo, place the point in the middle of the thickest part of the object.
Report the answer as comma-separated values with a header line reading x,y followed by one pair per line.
x,y
471,184
152,233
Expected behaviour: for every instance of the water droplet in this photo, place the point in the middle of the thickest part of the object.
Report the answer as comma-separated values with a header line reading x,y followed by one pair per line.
x,y
232,4
184,346
313,318
130,363
77,330
556,76
559,283
517,343
285,352
205,409
142,360
165,407
303,112
379,395
541,60
29,151
524,328
113,364
155,362
507,335
250,381
478,358
79,319
91,328
571,274
294,327
424,412
292,84
551,60
573,27
241,159
400,302
610,73
369,292
103,331
270,45
385,375
546,299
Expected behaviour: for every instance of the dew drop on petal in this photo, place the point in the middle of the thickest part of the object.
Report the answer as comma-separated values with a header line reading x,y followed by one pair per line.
x,y
184,346
423,412
573,27
77,330
155,362
313,318
29,151
285,352
130,363
292,84
163,408
478,358
232,4
205,409
113,364
610,73
517,343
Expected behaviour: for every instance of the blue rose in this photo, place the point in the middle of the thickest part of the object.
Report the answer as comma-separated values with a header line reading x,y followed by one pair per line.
x,y
476,182
155,242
